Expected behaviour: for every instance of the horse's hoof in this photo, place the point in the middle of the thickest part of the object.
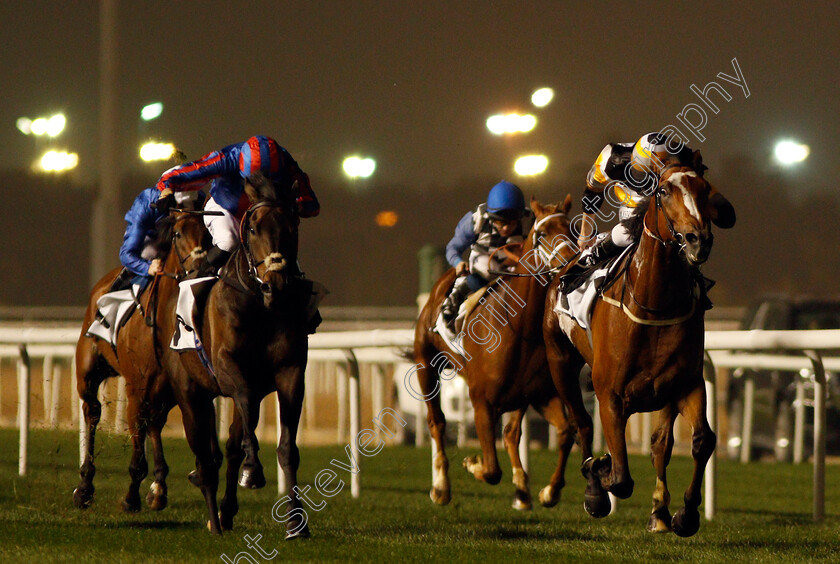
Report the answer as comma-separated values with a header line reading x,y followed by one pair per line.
x,y
194,478
622,490
686,523
439,496
156,499
83,497
469,463
659,522
226,522
521,505
298,533
131,505
549,496
253,479
597,505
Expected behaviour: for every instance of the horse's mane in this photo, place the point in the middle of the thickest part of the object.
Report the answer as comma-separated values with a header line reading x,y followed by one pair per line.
x,y
636,222
163,241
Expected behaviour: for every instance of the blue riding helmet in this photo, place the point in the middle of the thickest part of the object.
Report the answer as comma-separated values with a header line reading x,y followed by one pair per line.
x,y
505,201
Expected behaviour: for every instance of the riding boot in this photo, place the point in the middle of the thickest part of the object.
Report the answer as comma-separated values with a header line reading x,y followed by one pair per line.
x,y
216,258
122,281
599,252
453,302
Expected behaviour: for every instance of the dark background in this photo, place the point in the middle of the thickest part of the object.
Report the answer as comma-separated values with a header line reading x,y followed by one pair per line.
x,y
411,84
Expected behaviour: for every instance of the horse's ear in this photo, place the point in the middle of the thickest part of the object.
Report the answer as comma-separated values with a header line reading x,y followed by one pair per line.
x,y
567,203
252,193
698,165
721,211
536,207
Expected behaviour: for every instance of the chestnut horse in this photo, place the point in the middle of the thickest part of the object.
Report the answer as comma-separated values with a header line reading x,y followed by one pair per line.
x,y
646,348
505,366
253,329
141,345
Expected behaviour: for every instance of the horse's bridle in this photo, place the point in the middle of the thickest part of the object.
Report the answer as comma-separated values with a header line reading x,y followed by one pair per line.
x,y
677,240
274,261
196,254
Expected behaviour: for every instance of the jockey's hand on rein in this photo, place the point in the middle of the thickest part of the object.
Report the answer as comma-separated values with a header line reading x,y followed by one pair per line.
x,y
462,269
165,203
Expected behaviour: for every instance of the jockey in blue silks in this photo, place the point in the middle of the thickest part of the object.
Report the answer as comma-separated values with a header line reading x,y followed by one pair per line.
x,y
229,168
502,220
137,253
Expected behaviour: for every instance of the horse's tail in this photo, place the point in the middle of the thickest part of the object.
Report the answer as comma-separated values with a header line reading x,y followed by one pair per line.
x,y
406,354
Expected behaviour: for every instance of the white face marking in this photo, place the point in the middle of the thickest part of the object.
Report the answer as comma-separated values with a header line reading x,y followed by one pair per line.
x,y
688,200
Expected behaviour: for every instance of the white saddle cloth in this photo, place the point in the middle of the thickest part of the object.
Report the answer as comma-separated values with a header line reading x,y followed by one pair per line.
x,y
114,307
185,337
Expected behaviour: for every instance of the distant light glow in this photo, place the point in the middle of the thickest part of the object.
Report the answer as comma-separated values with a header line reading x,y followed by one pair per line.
x,y
39,126
55,125
157,151
24,125
790,152
151,111
501,124
531,165
387,218
58,161
51,127
358,167
542,97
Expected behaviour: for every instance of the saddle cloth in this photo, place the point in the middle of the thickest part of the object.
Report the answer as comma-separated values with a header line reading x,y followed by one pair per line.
x,y
464,311
114,309
185,337
578,303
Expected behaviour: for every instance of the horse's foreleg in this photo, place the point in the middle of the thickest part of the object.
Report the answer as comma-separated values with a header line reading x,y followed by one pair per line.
x,y
485,468
686,521
89,376
138,468
554,414
235,455
248,409
198,423
614,422
157,498
290,389
427,377
512,438
661,446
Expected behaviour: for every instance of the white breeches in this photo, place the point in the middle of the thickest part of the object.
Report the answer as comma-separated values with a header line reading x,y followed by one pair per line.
x,y
620,235
224,228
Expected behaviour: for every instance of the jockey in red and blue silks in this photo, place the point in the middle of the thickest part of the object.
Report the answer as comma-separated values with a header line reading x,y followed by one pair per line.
x,y
137,253
229,168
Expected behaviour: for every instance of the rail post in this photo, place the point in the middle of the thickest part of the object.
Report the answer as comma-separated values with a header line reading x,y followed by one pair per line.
x,y
23,408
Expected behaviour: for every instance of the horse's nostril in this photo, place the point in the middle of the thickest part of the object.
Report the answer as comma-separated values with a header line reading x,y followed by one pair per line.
x,y
265,288
691,238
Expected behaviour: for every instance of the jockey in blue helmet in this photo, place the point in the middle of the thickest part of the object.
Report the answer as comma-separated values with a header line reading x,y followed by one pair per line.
x,y
503,219
229,168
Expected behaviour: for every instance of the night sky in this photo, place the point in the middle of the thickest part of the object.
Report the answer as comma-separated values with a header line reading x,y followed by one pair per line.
x,y
411,83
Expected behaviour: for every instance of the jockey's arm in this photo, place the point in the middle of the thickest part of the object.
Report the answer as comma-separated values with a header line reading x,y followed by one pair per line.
x,y
462,240
140,218
193,175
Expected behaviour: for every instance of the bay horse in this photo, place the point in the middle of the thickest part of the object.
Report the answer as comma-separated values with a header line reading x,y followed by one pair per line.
x,y
505,368
138,356
646,348
253,329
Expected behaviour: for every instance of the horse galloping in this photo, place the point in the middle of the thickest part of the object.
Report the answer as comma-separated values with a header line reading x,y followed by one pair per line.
x,y
646,348
254,332
140,345
503,375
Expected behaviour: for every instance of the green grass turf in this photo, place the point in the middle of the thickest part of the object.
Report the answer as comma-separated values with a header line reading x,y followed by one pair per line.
x,y
764,513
